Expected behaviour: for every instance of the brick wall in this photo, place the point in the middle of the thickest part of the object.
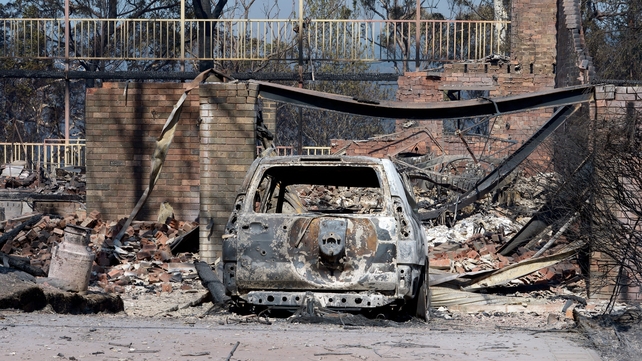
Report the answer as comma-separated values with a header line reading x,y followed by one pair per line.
x,y
228,147
613,102
419,87
212,149
122,123
534,32
531,68
574,65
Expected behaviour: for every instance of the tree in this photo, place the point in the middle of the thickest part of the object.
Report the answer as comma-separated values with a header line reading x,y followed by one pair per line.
x,y
318,127
397,36
29,108
612,32
107,36
35,106
203,10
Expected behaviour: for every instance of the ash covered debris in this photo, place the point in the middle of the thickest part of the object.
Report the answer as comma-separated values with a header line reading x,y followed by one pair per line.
x,y
147,261
473,249
67,180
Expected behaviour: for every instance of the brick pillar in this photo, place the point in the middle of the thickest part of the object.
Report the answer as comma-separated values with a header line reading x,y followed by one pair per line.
x,y
228,147
269,114
534,34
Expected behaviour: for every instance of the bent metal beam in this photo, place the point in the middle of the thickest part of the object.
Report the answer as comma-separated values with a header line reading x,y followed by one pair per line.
x,y
567,99
426,111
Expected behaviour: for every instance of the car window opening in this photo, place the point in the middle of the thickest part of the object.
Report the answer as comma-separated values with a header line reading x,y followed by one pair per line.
x,y
319,189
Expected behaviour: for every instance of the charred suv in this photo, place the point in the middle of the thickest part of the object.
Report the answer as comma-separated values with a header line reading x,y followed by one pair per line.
x,y
341,230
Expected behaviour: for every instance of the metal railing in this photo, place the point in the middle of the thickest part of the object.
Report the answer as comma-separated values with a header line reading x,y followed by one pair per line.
x,y
290,150
254,40
316,150
52,154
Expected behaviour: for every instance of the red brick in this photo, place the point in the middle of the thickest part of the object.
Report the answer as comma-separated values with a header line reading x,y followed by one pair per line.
x,y
442,263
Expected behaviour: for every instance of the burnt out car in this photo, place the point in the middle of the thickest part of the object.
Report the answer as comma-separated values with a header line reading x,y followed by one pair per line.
x,y
341,230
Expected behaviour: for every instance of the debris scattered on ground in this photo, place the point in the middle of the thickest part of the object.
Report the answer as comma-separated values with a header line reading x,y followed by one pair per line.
x,y
22,291
67,180
145,259
618,335
154,280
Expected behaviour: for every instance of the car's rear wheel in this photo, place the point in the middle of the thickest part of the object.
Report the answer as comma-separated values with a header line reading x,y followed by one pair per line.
x,y
422,299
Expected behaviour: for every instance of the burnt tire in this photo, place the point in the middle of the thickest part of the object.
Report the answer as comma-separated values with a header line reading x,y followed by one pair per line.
x,y
419,306
422,299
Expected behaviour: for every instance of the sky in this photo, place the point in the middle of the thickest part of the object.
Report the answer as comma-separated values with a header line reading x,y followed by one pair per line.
x,y
285,7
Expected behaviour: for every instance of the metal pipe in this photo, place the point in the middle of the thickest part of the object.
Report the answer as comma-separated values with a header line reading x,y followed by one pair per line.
x,y
417,34
67,102
183,35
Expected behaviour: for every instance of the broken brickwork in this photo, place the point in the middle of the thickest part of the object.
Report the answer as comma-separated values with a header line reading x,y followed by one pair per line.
x,y
613,102
122,123
531,68
574,65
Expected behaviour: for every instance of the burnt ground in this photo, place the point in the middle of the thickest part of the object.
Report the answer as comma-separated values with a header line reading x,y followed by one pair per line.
x,y
40,336
617,336
542,332
159,325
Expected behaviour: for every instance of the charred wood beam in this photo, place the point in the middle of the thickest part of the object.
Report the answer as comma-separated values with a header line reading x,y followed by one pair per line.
x,y
22,264
463,140
175,75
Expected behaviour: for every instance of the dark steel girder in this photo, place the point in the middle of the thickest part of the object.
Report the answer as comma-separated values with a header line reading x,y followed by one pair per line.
x,y
556,208
425,111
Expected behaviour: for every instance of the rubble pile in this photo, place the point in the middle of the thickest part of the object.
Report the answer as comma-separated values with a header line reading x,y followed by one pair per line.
x,y
65,181
145,259
356,199
68,180
478,248
465,228
480,253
